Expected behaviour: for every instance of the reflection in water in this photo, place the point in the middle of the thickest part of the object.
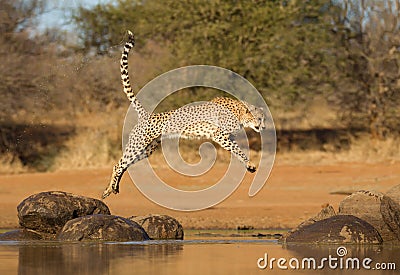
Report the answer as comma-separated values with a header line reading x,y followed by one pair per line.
x,y
383,255
90,258
211,256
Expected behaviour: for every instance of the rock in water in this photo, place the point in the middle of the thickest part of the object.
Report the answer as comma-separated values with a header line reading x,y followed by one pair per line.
x,y
325,213
340,229
102,228
366,205
390,211
160,227
49,211
20,235
394,193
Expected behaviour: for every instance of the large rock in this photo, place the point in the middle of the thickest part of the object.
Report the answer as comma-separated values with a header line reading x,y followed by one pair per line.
x,y
340,229
390,211
160,227
20,235
394,193
49,211
390,208
366,205
326,212
102,228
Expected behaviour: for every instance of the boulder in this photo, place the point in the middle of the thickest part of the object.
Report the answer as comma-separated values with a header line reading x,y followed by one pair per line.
x,y
339,229
326,212
390,211
160,227
102,228
49,211
394,193
366,205
20,235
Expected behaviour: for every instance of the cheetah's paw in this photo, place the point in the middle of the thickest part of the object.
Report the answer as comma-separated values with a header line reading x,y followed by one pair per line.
x,y
108,192
251,167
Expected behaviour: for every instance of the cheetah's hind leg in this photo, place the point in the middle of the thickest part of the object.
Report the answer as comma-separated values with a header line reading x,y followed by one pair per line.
x,y
128,159
113,187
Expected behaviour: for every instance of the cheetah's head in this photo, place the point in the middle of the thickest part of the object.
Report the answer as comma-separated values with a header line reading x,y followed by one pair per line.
x,y
253,117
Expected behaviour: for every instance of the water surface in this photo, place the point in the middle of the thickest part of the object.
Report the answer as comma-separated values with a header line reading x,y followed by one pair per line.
x,y
204,253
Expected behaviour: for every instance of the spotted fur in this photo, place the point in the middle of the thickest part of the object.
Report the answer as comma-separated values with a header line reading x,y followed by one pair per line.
x,y
219,120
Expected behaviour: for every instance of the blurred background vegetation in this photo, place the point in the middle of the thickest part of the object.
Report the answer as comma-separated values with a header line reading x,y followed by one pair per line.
x,y
329,70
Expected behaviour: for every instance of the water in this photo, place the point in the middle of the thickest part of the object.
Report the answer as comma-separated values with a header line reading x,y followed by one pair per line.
x,y
216,254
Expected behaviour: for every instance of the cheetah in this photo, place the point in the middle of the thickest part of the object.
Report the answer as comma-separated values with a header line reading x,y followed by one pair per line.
x,y
219,120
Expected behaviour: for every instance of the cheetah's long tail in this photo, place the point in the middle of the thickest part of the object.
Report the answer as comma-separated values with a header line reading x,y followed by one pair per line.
x,y
125,75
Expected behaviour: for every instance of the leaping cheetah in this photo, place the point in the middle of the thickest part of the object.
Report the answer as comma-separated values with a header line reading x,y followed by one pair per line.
x,y
219,120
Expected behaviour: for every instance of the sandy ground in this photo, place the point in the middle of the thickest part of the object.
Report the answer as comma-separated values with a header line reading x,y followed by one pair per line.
x,y
291,195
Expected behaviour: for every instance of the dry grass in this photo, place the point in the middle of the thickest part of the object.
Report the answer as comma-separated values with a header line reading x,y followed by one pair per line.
x,y
362,150
100,146
97,144
11,165
365,149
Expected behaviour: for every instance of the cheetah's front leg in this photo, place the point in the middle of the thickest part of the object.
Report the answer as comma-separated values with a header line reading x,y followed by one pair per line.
x,y
231,146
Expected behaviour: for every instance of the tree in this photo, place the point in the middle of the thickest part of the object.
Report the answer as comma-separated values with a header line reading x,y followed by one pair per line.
x,y
21,67
285,48
370,38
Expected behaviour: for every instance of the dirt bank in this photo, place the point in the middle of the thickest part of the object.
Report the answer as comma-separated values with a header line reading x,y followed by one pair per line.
x,y
291,195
